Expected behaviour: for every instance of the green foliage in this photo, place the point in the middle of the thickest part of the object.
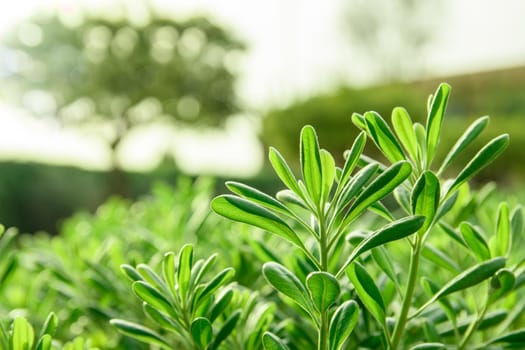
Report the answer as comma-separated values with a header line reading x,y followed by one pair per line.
x,y
390,255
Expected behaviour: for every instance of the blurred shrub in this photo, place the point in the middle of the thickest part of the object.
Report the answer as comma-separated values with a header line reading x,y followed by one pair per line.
x,y
499,94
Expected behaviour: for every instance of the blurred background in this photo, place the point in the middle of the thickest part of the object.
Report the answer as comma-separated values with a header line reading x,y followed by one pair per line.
x,y
102,98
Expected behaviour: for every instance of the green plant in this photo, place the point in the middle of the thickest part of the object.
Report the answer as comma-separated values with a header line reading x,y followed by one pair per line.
x,y
316,213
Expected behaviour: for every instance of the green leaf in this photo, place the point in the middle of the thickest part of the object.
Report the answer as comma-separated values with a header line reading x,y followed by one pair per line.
x,y
50,325
435,119
475,241
451,232
226,329
184,270
239,209
405,132
218,281
429,346
328,173
311,163
378,189
384,260
201,332
517,222
439,258
168,271
152,296
391,232
466,139
287,283
486,155
324,289
342,323
474,275
431,288
221,304
356,184
141,333
44,342
283,170
131,272
420,132
502,283
503,233
257,196
162,319
359,121
352,158
367,291
425,198
23,335
290,197
272,342
514,337
383,137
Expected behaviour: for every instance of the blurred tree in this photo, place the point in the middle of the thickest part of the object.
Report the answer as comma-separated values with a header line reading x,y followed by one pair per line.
x,y
118,74
391,36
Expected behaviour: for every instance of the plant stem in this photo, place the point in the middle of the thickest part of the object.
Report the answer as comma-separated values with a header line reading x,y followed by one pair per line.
x,y
324,250
407,300
323,332
472,328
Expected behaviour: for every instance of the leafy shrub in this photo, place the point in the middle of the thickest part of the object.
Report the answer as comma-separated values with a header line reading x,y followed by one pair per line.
x,y
373,255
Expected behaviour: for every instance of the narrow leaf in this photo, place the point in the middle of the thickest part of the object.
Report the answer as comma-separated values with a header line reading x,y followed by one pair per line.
x,y
486,155
356,184
378,189
405,132
201,332
311,163
384,260
359,121
514,337
242,210
367,291
435,119
324,289
391,232
272,342
168,271
342,323
44,342
216,282
23,335
352,158
439,258
467,279
184,270
383,137
425,198
429,346
257,196
466,139
503,234
152,296
327,172
141,333
502,283
475,241
282,170
287,283
226,329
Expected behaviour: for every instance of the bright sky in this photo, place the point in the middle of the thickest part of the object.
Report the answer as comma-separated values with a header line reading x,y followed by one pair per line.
x,y
295,49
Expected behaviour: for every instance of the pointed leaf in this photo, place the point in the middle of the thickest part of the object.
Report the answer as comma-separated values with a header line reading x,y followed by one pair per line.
x,y
467,279
475,241
50,325
141,333
404,130
502,283
503,234
257,196
352,158
324,289
514,337
391,232
466,139
218,281
184,270
439,258
359,121
327,172
168,271
486,155
367,291
201,332
272,342
435,118
517,222
429,346
356,184
44,342
242,210
152,296
425,198
290,197
226,329
384,260
383,137
421,138
283,170
287,283
378,189
342,323
311,163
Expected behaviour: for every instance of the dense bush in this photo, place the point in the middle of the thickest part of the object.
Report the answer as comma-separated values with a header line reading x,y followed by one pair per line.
x,y
372,255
